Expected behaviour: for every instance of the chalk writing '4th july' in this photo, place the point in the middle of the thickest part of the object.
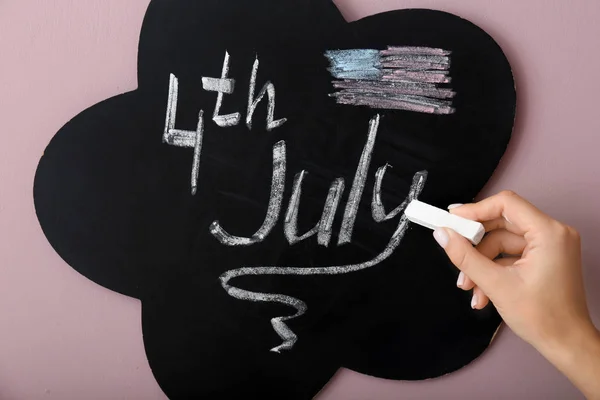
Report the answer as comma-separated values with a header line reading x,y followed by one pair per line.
x,y
323,229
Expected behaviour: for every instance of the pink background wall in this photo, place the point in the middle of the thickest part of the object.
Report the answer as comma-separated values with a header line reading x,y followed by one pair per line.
x,y
63,337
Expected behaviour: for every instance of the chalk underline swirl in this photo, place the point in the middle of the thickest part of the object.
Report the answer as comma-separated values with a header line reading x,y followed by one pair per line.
x,y
279,323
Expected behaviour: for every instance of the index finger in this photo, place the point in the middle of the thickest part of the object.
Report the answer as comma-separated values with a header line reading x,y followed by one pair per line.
x,y
520,216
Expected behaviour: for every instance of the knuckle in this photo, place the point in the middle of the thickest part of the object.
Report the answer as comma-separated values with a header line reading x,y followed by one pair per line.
x,y
462,259
508,193
565,232
561,229
456,254
574,233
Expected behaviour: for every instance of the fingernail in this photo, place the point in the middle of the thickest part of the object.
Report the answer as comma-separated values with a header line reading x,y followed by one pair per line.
x,y
461,279
451,206
441,236
506,218
474,301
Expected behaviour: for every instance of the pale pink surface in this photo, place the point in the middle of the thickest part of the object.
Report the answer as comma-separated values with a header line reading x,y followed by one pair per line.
x,y
63,337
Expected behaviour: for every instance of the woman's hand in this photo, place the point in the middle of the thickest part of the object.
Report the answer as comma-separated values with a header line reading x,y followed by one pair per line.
x,y
536,285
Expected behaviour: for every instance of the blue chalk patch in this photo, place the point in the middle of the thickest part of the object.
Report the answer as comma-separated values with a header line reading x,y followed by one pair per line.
x,y
355,64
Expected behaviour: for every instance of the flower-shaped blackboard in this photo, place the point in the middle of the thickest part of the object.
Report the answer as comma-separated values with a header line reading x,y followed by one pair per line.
x,y
251,192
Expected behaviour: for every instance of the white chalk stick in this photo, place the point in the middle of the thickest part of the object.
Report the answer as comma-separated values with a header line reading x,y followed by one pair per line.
x,y
432,217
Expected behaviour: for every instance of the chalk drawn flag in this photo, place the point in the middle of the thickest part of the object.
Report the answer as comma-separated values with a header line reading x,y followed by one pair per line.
x,y
402,78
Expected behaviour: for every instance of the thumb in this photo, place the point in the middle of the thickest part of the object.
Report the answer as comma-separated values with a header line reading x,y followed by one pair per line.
x,y
480,269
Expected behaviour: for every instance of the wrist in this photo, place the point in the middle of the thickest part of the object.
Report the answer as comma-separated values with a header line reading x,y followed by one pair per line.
x,y
563,349
577,355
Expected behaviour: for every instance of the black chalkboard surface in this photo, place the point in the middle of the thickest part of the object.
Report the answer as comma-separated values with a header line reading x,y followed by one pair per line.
x,y
251,192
